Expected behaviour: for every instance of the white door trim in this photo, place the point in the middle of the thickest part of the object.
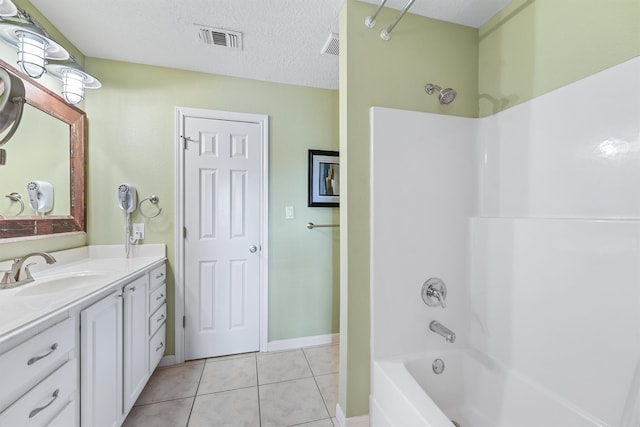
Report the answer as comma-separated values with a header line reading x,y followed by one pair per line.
x,y
263,121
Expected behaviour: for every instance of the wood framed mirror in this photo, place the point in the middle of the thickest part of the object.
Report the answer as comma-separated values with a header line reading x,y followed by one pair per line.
x,y
73,219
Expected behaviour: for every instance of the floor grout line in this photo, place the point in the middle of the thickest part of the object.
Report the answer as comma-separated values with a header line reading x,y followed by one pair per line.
x,y
194,397
258,389
324,401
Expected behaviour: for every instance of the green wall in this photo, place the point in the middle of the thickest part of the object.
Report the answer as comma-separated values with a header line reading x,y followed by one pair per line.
x,y
389,74
528,49
132,139
535,46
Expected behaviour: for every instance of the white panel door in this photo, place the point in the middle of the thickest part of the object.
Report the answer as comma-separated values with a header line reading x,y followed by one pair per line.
x,y
222,243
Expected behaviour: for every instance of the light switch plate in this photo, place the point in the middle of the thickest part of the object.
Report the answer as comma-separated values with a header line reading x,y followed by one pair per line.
x,y
288,212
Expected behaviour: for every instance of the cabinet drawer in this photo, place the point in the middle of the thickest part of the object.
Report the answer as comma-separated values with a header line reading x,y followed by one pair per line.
x,y
157,297
157,277
157,319
45,400
27,364
66,417
156,348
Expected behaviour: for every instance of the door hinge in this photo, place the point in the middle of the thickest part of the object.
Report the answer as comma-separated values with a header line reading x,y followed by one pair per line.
x,y
184,321
184,232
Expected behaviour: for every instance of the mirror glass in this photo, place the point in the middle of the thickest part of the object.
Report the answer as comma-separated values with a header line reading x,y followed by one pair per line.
x,y
36,153
47,148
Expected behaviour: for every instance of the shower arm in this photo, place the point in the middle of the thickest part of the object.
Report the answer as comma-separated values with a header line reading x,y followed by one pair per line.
x,y
386,33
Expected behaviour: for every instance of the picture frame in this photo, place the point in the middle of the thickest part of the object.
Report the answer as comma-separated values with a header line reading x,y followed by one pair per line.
x,y
324,179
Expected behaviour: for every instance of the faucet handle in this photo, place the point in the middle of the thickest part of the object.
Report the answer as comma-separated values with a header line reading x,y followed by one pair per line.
x,y
27,272
8,278
434,292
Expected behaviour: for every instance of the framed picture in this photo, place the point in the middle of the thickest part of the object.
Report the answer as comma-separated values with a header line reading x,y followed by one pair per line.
x,y
324,178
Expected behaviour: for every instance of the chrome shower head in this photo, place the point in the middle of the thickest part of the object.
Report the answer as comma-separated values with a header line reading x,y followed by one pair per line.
x,y
445,96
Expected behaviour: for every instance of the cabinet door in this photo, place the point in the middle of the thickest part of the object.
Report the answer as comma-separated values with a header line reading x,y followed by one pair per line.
x,y
135,340
101,363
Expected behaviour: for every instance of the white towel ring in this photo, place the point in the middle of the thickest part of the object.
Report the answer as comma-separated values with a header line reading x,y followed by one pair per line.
x,y
154,201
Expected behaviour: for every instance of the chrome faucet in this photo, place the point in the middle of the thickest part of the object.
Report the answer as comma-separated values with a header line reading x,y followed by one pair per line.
x,y
443,331
21,276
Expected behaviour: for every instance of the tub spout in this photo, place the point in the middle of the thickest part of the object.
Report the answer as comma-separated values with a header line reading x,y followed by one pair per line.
x,y
443,331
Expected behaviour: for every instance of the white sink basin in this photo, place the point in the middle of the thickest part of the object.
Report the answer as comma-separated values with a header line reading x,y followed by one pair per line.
x,y
60,283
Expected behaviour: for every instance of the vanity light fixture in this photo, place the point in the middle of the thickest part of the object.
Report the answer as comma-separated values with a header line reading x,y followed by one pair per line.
x,y
74,79
34,44
7,8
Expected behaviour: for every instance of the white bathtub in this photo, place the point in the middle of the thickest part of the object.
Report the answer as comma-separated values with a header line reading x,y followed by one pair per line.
x,y
473,390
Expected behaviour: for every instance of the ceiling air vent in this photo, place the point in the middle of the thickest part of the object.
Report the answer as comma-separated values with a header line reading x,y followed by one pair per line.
x,y
332,45
218,37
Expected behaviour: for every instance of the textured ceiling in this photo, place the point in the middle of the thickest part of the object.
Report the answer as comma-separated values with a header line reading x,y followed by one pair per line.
x,y
282,39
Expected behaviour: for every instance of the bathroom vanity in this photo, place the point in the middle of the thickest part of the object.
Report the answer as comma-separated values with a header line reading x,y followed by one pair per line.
x,y
78,345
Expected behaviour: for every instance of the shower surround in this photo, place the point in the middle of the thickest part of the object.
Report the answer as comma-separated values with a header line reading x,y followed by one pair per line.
x,y
532,219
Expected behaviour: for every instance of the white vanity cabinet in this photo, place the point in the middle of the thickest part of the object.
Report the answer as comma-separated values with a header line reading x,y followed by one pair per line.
x,y
157,315
39,379
101,362
136,366
115,348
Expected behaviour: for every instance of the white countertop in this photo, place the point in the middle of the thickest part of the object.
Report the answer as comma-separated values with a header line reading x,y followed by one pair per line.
x,y
105,267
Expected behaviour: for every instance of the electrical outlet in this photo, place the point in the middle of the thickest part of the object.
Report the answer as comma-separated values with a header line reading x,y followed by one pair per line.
x,y
138,230
288,212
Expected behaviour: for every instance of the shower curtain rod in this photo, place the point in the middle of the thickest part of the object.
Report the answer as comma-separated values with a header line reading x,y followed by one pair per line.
x,y
370,21
386,33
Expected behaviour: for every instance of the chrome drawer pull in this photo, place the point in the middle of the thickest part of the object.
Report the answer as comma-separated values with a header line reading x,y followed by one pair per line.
x,y
161,318
159,276
42,408
35,359
160,297
160,346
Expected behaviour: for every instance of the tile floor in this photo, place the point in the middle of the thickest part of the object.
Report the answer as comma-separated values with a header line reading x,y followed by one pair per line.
x,y
288,388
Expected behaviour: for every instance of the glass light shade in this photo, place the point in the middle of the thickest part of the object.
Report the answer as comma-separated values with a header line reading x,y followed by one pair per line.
x,y
7,8
73,85
31,53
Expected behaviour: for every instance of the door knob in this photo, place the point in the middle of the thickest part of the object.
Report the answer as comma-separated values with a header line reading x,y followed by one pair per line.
x,y
253,249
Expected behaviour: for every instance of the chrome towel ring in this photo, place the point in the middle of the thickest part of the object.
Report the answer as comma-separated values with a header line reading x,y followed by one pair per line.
x,y
154,201
16,197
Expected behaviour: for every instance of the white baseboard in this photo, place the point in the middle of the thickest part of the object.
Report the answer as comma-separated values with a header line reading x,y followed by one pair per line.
x,y
168,360
294,343
360,421
279,345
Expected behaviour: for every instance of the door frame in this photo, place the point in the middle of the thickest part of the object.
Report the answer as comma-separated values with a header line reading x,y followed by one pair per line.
x,y
263,121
